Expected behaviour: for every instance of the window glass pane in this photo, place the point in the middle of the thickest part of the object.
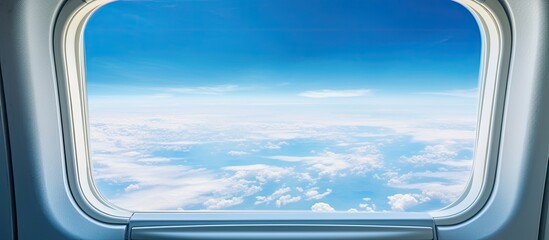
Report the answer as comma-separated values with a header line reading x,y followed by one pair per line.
x,y
321,105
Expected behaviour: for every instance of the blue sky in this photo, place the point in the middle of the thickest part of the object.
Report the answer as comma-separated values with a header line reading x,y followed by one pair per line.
x,y
282,105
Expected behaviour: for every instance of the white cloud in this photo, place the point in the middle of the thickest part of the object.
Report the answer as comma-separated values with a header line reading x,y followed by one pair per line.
x,y
275,146
306,177
275,195
400,202
464,93
160,187
237,153
261,172
313,194
331,163
193,129
364,205
455,128
173,196
437,154
123,150
222,203
322,207
131,187
445,186
286,199
367,205
170,187
329,93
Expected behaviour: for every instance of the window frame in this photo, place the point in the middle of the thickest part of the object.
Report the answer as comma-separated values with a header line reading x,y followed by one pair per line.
x,y
495,31
45,205
496,54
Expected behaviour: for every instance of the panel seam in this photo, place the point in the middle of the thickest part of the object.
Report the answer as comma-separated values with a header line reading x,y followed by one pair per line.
x,y
9,165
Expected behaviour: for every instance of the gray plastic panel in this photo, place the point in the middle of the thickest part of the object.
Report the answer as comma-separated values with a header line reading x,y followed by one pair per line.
x,y
45,207
515,205
281,225
283,231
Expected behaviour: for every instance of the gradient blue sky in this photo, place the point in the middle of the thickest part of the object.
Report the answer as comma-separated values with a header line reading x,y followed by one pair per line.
x,y
399,45
301,105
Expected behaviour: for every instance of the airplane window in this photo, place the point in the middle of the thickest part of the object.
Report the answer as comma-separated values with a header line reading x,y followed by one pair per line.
x,y
317,105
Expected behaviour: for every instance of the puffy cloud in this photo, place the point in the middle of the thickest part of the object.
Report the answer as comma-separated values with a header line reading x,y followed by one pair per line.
x,y
286,199
352,210
331,163
446,186
367,205
131,187
261,172
328,93
279,196
400,202
221,203
322,207
437,154
305,176
313,194
275,195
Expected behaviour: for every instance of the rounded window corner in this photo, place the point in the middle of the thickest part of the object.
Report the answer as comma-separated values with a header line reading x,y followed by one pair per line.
x,y
68,56
496,34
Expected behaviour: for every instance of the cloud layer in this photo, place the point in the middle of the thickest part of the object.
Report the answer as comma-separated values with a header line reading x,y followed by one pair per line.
x,y
231,160
329,93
